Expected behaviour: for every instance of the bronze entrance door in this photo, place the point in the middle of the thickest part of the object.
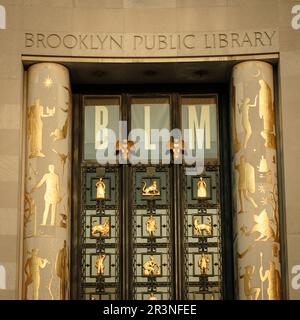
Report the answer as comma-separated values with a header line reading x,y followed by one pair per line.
x,y
149,223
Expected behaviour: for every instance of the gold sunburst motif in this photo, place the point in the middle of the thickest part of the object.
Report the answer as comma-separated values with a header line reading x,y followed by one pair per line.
x,y
48,82
261,189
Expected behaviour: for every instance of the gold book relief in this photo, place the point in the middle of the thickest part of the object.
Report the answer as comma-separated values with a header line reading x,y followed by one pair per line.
x,y
203,263
151,226
200,228
246,182
151,267
271,275
52,195
201,188
266,112
262,226
244,107
32,272
35,128
100,264
61,269
250,292
152,190
103,229
100,192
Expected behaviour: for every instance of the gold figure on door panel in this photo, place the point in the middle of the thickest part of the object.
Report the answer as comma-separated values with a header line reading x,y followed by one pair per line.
x,y
244,110
103,229
32,271
152,296
201,227
100,264
201,188
246,182
266,112
52,194
35,128
273,277
61,269
251,293
151,267
151,226
124,147
263,227
152,190
100,185
203,263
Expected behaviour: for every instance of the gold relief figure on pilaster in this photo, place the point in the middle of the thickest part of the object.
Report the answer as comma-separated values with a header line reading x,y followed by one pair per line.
x,y
151,225
60,134
32,272
236,144
250,292
61,269
103,229
244,111
100,189
99,265
64,219
201,188
29,208
63,158
151,267
203,263
263,227
266,112
271,275
152,190
35,128
52,195
200,228
263,167
246,182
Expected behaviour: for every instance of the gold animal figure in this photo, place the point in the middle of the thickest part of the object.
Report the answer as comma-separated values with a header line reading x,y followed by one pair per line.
x,y
263,227
203,263
103,229
151,226
60,134
151,190
201,227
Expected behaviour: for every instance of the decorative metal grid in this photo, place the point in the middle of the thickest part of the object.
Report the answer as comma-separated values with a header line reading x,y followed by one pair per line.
x,y
152,250
100,280
202,236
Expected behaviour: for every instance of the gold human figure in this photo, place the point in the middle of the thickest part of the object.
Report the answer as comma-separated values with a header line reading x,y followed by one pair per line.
x,y
251,293
100,185
32,271
61,269
152,190
177,146
201,188
273,277
266,112
201,227
152,296
244,110
151,225
35,128
203,263
262,226
124,147
151,267
246,182
235,143
103,229
52,196
100,264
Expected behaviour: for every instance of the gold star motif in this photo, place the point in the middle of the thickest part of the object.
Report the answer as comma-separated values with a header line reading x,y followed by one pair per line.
x,y
48,82
261,189
264,200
